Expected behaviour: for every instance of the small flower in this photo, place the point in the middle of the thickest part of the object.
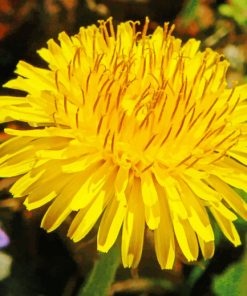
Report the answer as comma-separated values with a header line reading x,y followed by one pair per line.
x,y
134,130
4,239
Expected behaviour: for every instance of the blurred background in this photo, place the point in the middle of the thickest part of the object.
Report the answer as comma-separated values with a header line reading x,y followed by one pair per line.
x,y
33,263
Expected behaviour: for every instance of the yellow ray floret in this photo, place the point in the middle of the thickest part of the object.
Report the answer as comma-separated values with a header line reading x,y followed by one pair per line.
x,y
138,131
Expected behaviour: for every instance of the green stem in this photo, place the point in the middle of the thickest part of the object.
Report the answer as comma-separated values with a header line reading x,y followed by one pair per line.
x,y
102,274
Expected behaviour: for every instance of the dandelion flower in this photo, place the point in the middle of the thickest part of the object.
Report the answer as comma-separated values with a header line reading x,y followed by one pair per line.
x,y
135,131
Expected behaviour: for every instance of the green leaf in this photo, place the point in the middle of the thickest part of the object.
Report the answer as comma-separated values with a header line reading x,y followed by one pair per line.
x,y
189,11
226,10
236,10
233,280
103,274
195,275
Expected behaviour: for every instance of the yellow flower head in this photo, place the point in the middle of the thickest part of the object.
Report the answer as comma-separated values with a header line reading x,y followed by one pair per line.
x,y
137,131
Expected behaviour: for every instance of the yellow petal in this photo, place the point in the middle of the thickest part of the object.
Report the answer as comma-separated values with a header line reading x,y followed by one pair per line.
x,y
60,208
235,180
24,84
229,215
13,157
56,214
42,76
46,189
87,217
152,215
82,163
40,133
197,214
26,114
9,101
232,172
133,228
149,192
93,181
45,54
67,46
121,182
164,235
34,201
23,164
22,184
239,155
202,190
12,146
207,248
230,196
227,227
174,198
110,225
186,238
41,173
57,54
